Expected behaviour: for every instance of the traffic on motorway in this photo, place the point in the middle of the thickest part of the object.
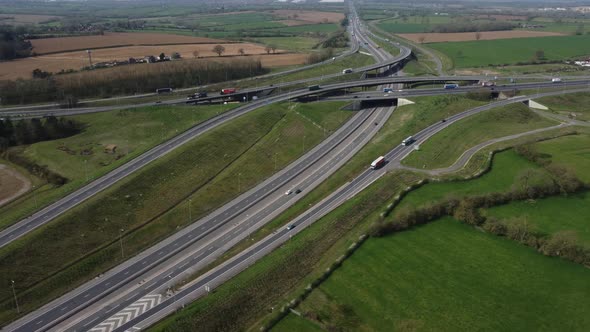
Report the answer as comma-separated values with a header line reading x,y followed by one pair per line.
x,y
97,305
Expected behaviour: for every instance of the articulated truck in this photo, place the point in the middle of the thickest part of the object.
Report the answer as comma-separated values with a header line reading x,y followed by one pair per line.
x,y
378,163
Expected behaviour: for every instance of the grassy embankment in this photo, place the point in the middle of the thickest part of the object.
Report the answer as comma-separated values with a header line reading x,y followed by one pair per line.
x,y
133,131
577,103
445,147
250,295
449,276
153,203
493,52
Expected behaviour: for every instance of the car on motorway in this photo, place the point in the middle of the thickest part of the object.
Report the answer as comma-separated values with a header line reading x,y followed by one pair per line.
x,y
290,227
408,141
443,120
297,191
289,192
556,80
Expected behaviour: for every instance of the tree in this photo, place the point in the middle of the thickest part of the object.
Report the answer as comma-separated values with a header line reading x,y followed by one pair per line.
x,y
162,56
421,39
176,55
477,35
268,49
241,51
196,53
539,54
580,29
218,49
273,48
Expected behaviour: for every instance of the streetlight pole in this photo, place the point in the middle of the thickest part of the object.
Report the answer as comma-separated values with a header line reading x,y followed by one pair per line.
x,y
86,169
189,211
121,241
239,182
15,300
35,198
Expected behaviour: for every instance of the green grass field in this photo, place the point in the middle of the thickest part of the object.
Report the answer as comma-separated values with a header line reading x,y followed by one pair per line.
x,y
413,24
551,215
511,51
152,204
445,147
448,276
505,169
577,103
296,44
569,151
131,130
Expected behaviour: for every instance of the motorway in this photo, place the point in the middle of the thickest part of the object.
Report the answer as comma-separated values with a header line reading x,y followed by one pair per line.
x,y
169,261
55,209
238,263
266,200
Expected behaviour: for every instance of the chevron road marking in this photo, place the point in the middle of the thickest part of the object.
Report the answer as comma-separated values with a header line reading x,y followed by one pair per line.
x,y
137,308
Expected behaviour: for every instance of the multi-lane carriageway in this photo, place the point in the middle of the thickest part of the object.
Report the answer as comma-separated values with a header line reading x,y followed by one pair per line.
x,y
209,237
79,299
238,263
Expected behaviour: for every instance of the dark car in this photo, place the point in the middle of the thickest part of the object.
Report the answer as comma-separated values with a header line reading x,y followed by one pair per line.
x,y
443,120
290,227
297,191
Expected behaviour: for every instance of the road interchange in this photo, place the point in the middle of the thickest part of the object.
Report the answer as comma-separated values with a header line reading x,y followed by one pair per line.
x,y
358,184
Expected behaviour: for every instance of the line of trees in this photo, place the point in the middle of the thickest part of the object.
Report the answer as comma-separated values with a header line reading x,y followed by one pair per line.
x,y
12,44
30,131
473,27
562,181
127,80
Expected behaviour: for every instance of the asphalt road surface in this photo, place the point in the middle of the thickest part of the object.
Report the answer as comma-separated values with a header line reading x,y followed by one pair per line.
x,y
247,257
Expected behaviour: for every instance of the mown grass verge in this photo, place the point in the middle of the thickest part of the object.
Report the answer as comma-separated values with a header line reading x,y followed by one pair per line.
x,y
81,157
445,147
152,204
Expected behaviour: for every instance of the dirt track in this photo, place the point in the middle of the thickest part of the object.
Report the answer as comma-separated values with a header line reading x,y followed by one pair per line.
x,y
12,184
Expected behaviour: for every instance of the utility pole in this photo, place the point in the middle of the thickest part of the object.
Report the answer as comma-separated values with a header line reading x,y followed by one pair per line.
x,y
89,56
15,300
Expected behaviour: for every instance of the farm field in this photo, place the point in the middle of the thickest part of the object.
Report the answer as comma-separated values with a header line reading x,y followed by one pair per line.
x,y
464,134
485,52
21,19
12,184
22,68
204,170
132,131
309,16
63,44
412,24
505,169
469,36
570,151
551,215
448,276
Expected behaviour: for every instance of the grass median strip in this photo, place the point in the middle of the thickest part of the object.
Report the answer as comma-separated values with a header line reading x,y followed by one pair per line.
x,y
152,204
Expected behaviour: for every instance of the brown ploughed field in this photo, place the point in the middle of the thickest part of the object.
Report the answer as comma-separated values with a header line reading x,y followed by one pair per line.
x,y
64,44
309,16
